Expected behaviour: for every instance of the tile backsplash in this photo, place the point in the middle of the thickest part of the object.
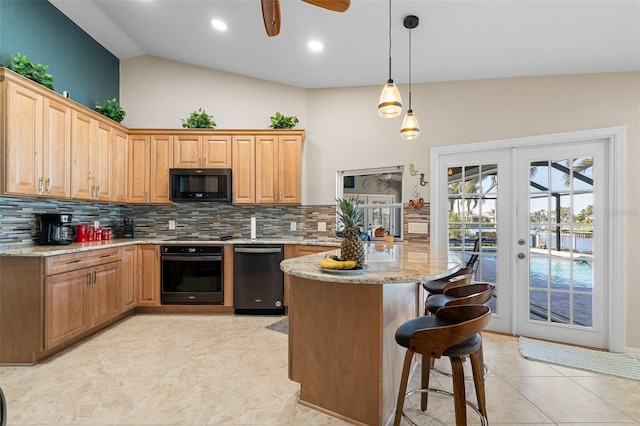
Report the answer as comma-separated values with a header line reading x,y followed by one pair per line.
x,y
193,220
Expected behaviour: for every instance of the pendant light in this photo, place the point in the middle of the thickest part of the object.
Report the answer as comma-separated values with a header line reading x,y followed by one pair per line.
x,y
390,104
410,128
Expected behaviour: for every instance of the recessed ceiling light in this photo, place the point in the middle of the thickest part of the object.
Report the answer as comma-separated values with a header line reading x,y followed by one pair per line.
x,y
315,46
219,25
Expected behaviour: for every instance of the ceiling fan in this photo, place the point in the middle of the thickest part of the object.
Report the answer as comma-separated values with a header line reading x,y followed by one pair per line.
x,y
271,11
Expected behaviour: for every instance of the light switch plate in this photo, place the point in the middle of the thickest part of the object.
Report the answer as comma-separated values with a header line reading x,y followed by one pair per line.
x,y
322,226
172,225
294,226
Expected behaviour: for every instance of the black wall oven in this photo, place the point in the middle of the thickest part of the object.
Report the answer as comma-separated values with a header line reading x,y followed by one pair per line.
x,y
192,275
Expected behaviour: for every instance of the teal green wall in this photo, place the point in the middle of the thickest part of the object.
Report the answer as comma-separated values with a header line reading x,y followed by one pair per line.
x,y
78,63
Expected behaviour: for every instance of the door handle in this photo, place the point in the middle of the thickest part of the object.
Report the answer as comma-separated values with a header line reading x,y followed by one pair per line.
x,y
521,256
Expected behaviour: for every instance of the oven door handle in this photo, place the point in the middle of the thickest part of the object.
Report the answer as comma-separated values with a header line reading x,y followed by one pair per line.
x,y
257,250
193,258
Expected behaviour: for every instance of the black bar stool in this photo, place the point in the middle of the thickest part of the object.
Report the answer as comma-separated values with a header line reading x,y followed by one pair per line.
x,y
454,332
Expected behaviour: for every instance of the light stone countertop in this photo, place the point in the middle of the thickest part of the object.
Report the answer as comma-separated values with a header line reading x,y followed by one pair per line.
x,y
55,250
399,262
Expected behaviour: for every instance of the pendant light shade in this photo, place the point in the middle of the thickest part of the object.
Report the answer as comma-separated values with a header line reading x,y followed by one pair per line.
x,y
390,104
410,128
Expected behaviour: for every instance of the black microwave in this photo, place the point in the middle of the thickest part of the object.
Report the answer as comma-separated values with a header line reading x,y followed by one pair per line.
x,y
200,185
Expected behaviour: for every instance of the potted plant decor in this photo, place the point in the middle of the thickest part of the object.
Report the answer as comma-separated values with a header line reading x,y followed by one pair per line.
x,y
34,71
280,121
111,108
199,120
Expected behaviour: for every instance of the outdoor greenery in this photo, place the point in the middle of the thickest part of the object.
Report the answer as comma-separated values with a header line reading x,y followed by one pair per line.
x,y
34,71
199,120
280,121
111,108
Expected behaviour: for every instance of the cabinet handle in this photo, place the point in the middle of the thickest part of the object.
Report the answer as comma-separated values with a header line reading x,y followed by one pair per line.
x,y
48,184
40,186
98,191
89,277
94,276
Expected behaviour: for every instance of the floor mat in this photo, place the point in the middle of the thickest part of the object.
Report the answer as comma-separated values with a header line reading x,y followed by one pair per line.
x,y
613,364
281,326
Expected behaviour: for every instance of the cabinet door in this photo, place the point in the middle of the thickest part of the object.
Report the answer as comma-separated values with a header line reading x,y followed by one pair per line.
x,y
139,152
56,149
103,292
120,169
82,138
128,294
187,152
267,169
161,162
23,159
243,170
290,170
102,162
66,311
216,151
149,275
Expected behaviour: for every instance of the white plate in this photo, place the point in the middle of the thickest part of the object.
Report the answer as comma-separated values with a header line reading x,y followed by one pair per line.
x,y
343,271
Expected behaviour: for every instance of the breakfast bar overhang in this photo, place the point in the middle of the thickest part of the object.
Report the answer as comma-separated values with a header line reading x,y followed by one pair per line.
x,y
342,348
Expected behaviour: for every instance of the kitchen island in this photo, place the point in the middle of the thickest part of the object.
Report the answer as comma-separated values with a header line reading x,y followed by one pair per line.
x,y
342,325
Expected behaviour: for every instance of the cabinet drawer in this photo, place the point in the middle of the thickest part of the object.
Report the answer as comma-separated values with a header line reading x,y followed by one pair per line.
x,y
86,259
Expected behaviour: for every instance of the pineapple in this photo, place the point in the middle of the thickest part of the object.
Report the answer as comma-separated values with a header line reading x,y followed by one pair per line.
x,y
351,218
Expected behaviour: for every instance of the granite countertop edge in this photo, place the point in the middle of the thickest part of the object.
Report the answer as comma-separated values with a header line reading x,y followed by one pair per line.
x,y
32,250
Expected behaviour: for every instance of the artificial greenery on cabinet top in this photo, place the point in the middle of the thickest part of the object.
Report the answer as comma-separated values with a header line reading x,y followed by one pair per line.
x,y
34,71
279,121
111,108
199,119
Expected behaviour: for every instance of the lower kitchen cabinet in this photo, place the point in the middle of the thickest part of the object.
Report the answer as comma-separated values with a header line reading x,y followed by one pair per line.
x,y
148,275
128,288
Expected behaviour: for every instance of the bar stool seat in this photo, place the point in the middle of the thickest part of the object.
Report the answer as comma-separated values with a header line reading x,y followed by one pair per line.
x,y
454,332
477,293
462,276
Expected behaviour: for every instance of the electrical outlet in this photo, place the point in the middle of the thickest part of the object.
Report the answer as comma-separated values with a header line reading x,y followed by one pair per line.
x,y
172,225
322,226
418,228
96,224
294,226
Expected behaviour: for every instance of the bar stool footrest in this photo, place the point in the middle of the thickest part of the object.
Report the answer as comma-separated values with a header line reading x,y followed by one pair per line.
x,y
483,419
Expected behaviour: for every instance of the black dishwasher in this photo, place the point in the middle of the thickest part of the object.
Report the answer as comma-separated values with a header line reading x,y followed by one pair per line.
x,y
258,281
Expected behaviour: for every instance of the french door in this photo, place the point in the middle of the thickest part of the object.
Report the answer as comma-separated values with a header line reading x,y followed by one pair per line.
x,y
532,215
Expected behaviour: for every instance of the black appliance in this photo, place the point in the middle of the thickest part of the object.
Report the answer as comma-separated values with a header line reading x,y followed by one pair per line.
x,y
200,185
258,281
55,229
128,227
192,275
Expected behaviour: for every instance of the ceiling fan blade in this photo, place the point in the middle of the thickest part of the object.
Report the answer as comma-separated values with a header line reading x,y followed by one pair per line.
x,y
334,5
271,16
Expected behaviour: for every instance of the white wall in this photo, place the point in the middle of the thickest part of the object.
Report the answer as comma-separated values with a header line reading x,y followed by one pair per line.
x,y
344,131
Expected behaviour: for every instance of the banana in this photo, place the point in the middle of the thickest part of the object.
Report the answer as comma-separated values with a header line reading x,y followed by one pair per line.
x,y
329,263
349,264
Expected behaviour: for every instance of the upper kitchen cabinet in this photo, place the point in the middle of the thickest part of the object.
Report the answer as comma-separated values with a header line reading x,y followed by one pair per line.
x,y
202,151
138,173
120,166
36,139
162,151
151,158
243,169
278,169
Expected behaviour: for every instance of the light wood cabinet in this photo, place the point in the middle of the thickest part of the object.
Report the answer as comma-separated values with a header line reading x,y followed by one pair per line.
x,y
192,151
92,150
161,161
243,170
128,268
148,275
81,292
277,165
138,182
37,144
120,169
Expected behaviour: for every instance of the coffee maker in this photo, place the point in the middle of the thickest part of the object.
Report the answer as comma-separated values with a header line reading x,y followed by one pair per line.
x,y
55,229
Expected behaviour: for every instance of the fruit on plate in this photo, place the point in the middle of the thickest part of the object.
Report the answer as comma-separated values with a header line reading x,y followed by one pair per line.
x,y
351,217
329,263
